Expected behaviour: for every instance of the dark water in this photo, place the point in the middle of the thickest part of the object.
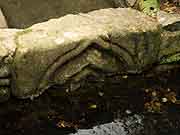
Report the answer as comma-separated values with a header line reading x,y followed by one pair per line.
x,y
114,104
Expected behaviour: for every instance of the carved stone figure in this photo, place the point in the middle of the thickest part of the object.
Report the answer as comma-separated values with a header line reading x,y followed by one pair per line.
x,y
68,49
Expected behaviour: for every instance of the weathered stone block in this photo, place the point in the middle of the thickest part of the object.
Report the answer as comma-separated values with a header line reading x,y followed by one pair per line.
x,y
72,47
110,40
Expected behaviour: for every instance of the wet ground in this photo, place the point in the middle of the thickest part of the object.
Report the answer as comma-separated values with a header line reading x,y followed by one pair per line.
x,y
115,99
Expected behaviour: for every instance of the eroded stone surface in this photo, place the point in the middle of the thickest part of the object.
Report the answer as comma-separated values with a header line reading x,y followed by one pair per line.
x,y
165,18
72,47
7,51
129,126
126,40
169,51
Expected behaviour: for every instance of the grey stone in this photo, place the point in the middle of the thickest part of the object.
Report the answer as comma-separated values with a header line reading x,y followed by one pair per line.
x,y
132,125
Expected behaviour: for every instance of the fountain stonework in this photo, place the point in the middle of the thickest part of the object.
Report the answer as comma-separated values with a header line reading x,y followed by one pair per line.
x,y
70,48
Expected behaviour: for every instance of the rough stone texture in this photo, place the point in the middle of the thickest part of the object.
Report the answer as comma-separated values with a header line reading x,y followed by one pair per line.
x,y
67,49
7,51
166,19
110,40
169,51
7,44
132,125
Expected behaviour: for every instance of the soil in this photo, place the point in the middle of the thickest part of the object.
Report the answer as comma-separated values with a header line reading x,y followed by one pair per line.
x,y
60,112
171,6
